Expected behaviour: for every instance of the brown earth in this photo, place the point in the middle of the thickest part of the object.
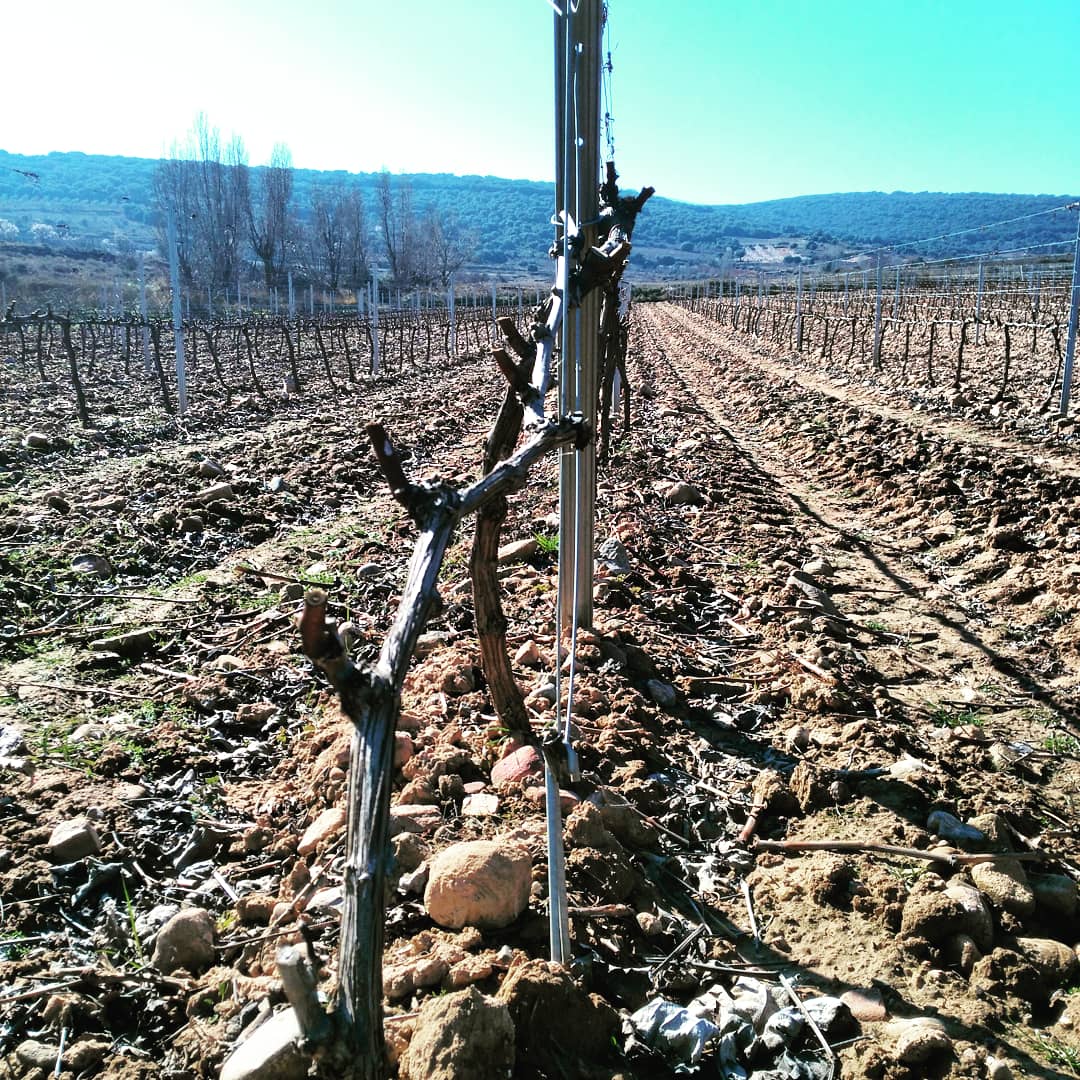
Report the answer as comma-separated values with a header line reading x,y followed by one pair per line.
x,y
851,618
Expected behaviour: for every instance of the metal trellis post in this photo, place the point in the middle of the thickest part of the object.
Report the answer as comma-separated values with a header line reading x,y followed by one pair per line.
x,y
1074,306
178,322
877,317
145,327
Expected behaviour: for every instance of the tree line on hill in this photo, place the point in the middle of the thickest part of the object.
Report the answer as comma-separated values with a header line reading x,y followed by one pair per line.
x,y
113,203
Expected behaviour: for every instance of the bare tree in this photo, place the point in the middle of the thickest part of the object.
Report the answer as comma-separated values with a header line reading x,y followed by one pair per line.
x,y
449,246
174,192
209,185
399,229
356,261
338,239
268,213
327,235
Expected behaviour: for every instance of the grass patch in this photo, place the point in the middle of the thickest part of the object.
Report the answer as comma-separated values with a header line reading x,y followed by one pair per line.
x,y
1058,743
1059,1054
549,545
946,717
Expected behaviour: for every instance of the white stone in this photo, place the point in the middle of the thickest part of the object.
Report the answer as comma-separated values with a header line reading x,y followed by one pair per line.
x,y
185,941
73,839
271,1052
482,883
326,825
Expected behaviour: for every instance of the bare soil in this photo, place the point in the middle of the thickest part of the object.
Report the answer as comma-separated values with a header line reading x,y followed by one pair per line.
x,y
865,615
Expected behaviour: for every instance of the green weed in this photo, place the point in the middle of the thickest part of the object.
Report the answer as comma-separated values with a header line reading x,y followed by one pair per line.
x,y
1058,1053
136,944
1058,743
943,716
549,545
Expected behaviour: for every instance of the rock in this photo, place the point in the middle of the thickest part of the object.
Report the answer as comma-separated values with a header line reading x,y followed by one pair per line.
x,y
976,919
414,818
418,792
256,907
483,804
951,828
472,969
528,654
36,1055
97,565
996,1069
681,493
226,662
270,1052
866,1004
191,523
84,1054
215,493
409,851
1055,893
73,839
482,883
1005,885
460,1036
830,1014
538,797
111,504
623,820
402,979
798,737
819,567
613,556
209,469
185,941
1054,961
518,551
664,694
909,768
37,440
254,714
585,827
536,992
962,952
332,898
132,644
427,643
1008,538
403,748
415,881
88,732
649,924
1005,972
919,1040
327,824
516,767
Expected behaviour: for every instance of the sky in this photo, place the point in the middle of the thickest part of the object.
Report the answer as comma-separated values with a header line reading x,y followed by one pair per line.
x,y
714,101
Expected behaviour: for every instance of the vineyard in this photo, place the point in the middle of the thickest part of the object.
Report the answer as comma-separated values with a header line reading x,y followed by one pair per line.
x,y
125,366
825,714
998,340
616,682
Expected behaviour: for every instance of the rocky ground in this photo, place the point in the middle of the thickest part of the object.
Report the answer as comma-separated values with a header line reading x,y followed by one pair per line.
x,y
824,614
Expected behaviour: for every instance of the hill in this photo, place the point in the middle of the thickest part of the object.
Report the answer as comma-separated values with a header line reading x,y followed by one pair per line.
x,y
105,202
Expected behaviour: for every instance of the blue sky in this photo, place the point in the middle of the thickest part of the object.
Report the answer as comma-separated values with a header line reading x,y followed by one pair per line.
x,y
713,101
